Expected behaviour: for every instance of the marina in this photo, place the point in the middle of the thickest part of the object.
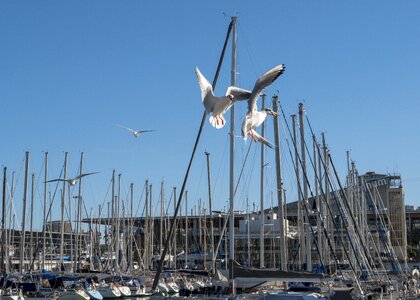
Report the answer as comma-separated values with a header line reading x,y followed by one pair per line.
x,y
274,214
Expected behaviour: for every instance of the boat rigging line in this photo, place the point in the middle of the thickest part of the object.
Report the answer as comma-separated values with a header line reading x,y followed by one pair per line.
x,y
167,242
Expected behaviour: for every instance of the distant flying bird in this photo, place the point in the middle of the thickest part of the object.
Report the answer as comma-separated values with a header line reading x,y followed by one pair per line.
x,y
136,133
255,118
72,181
218,105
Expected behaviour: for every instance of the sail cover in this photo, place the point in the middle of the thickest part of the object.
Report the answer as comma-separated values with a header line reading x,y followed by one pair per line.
x,y
240,272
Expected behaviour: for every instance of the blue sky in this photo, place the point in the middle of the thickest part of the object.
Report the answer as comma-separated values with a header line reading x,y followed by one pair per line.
x,y
71,70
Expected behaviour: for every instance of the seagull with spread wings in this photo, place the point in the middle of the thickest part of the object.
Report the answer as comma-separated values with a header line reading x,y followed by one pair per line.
x,y
72,181
136,133
255,118
216,105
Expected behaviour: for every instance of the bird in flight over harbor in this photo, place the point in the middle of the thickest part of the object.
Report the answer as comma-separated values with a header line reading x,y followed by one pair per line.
x,y
136,133
218,105
72,181
255,118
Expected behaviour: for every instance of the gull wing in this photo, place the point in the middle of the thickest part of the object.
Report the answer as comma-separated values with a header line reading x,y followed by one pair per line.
x,y
83,175
141,131
126,128
238,93
264,81
261,139
54,180
205,85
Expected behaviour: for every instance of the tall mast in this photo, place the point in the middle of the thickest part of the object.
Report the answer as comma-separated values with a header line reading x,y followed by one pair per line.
x,y
71,225
11,218
112,229
205,237
92,265
98,241
299,197
305,187
327,195
213,257
117,239
31,236
146,228
248,242
79,216
63,197
232,162
44,229
108,233
130,239
151,223
280,212
186,228
200,240
3,217
318,203
262,215
162,197
350,193
159,269
25,191
175,229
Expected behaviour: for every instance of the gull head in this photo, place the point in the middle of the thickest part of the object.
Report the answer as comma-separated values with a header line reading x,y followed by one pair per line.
x,y
271,112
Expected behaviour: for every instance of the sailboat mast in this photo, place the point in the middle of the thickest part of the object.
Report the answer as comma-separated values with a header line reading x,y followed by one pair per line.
x,y
25,191
112,227
205,237
146,228
262,214
3,217
329,224
186,228
305,187
44,229
151,222
318,203
117,234
98,251
232,162
175,222
248,241
131,235
161,217
63,196
299,197
159,269
280,212
79,216
31,235
213,257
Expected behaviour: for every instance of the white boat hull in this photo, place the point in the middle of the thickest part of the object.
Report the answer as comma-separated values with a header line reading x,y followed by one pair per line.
x,y
73,295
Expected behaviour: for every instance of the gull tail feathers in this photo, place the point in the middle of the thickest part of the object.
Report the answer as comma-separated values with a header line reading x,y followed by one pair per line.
x,y
217,121
259,138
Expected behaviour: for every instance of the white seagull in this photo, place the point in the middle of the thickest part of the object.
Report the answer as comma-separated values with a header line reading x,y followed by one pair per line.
x,y
255,118
218,105
136,133
72,181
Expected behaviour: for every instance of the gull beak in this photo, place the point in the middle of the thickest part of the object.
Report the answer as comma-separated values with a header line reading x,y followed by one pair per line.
x,y
275,114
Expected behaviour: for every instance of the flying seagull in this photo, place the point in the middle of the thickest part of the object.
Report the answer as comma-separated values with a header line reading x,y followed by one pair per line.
x,y
255,118
72,181
136,133
218,105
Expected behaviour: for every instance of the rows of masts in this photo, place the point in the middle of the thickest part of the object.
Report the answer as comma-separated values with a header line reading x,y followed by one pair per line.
x,y
113,222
